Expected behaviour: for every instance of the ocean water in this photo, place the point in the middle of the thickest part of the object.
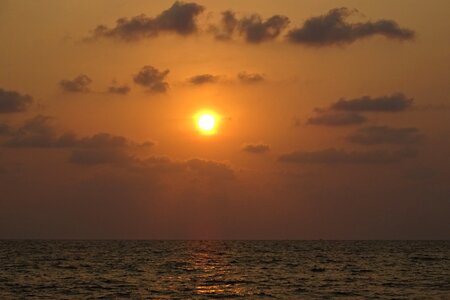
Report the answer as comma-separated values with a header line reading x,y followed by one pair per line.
x,y
225,269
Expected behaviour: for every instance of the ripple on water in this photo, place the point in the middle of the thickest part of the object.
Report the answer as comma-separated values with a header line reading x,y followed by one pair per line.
x,y
224,269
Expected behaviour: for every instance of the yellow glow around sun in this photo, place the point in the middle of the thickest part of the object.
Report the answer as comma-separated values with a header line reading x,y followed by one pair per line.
x,y
206,122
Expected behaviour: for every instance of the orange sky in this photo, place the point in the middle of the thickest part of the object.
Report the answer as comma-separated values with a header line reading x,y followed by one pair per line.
x,y
334,119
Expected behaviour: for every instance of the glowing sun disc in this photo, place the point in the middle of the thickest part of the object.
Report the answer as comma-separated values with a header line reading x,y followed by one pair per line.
x,y
207,123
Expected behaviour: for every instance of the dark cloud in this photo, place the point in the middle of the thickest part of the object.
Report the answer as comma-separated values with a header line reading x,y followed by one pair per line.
x,y
228,24
180,18
245,77
333,29
256,30
253,28
102,140
336,119
347,111
121,90
156,165
79,84
160,164
12,101
339,156
38,133
256,148
98,149
392,103
147,144
212,170
209,168
375,135
203,78
90,157
152,78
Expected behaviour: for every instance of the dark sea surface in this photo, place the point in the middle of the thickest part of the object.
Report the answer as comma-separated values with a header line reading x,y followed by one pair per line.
x,y
225,269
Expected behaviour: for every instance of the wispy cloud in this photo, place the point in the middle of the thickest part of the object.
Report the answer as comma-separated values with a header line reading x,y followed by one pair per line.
x,y
340,156
180,18
333,29
12,101
203,79
79,84
256,148
375,135
152,79
390,103
336,119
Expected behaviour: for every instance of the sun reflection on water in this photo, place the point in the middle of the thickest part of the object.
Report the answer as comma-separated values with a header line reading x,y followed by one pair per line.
x,y
215,275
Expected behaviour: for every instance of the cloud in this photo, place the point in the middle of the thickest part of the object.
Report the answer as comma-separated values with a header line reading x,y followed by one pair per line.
x,y
180,18
333,29
375,135
79,84
256,30
38,133
202,79
209,168
152,78
90,157
253,28
161,164
256,148
392,103
336,119
102,140
12,101
97,149
201,167
346,112
120,90
147,144
228,24
245,77
339,156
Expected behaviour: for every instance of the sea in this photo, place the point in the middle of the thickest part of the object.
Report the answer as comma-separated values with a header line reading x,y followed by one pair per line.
x,y
124,269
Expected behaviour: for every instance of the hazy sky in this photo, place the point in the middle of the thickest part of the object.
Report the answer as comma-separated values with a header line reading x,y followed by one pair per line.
x,y
333,119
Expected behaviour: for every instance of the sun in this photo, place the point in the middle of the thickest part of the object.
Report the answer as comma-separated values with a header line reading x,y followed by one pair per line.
x,y
206,122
